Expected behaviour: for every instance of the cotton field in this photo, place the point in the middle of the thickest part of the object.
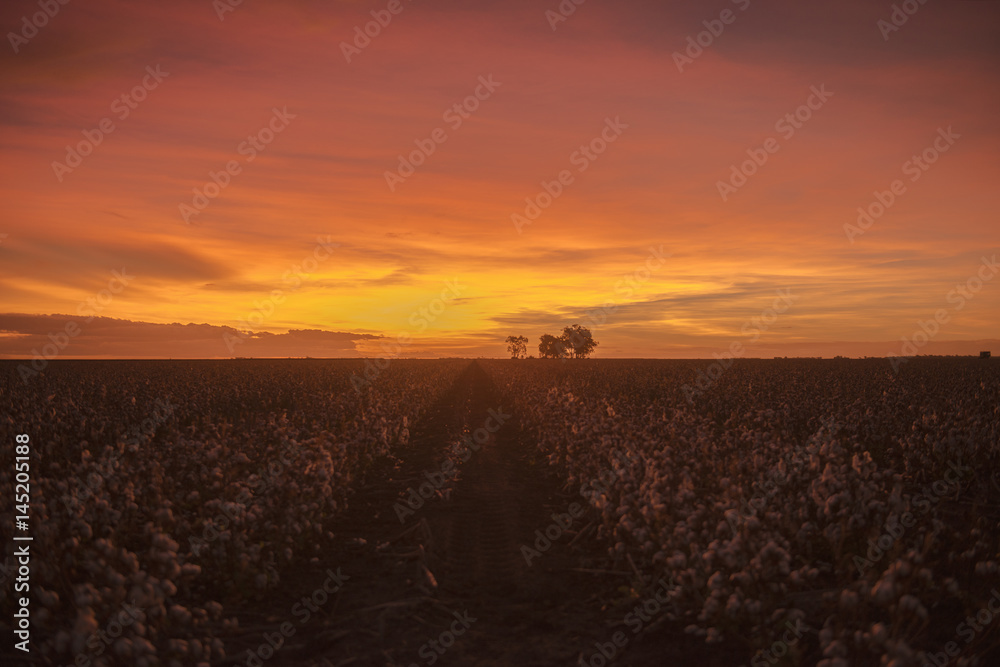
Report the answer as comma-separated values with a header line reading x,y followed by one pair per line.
x,y
831,499
829,512
161,489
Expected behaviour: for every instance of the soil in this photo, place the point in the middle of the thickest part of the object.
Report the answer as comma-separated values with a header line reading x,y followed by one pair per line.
x,y
407,583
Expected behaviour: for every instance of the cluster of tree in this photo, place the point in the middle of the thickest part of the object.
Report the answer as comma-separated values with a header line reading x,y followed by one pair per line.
x,y
576,341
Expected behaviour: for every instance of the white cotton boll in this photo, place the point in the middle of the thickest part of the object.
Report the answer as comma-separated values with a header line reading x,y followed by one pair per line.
x,y
141,592
85,626
904,655
986,568
742,579
848,600
911,607
733,606
123,647
86,532
179,614
62,641
47,598
84,595
883,593
168,588
178,646
164,542
144,647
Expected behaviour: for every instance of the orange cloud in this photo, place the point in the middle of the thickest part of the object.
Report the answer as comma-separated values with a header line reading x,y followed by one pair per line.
x,y
323,174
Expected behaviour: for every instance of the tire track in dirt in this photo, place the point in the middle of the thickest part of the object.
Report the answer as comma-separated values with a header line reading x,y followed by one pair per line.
x,y
460,551
372,617
538,615
482,520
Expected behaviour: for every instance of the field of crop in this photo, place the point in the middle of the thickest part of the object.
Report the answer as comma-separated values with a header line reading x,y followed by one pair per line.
x,y
531,512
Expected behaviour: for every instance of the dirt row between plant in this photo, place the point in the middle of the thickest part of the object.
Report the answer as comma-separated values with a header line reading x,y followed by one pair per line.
x,y
449,584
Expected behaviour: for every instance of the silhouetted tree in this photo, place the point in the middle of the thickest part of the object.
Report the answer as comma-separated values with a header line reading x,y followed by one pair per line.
x,y
550,347
579,340
517,346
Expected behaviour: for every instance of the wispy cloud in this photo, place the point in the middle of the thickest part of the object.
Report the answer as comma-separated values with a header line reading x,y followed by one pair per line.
x,y
657,186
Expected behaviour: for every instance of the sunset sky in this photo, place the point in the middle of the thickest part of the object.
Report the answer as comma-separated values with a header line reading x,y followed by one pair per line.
x,y
379,252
